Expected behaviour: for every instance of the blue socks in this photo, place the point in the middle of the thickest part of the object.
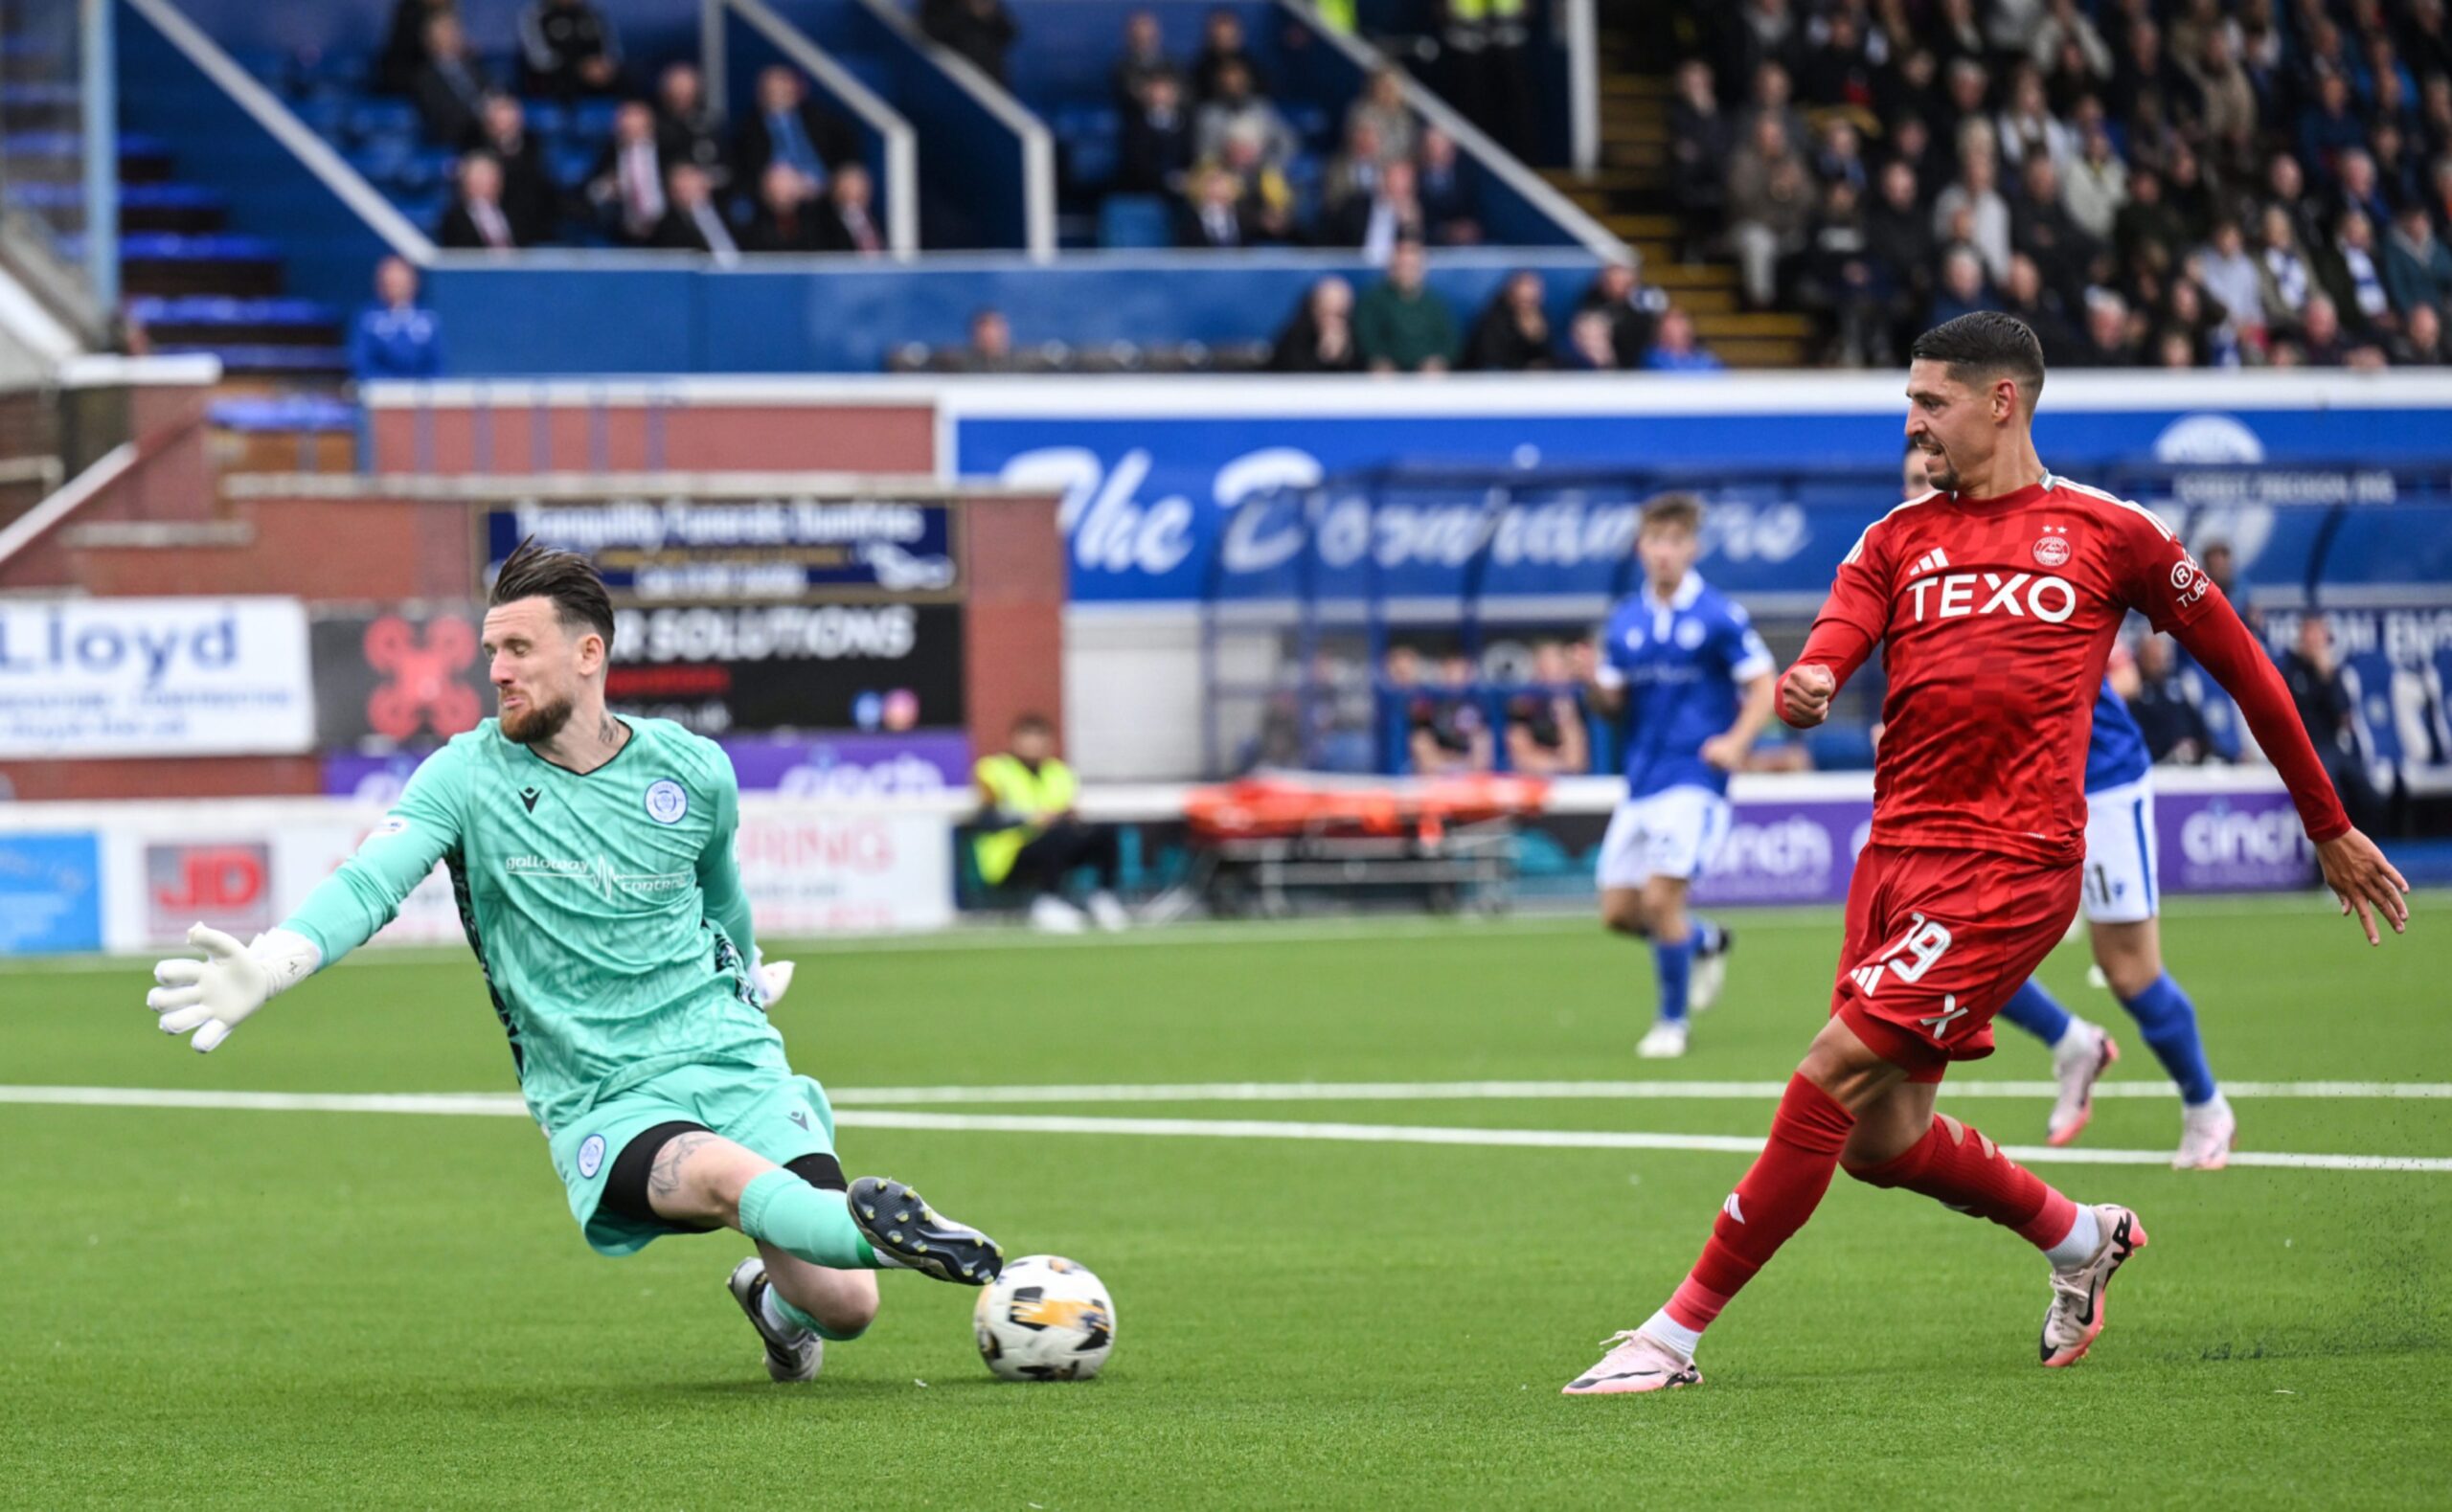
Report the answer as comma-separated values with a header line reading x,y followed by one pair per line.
x,y
2038,1013
1675,963
2167,1021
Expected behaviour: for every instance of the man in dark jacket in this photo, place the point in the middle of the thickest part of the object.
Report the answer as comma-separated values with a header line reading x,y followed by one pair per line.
x,y
980,31
787,124
567,48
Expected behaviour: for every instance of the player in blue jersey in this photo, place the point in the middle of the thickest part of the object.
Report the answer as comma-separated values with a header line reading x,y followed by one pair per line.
x,y
2119,902
1683,663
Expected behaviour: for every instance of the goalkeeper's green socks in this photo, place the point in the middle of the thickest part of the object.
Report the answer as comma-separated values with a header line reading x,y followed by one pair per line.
x,y
815,1224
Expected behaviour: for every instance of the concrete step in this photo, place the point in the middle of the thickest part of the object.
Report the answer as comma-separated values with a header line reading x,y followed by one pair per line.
x,y
1753,323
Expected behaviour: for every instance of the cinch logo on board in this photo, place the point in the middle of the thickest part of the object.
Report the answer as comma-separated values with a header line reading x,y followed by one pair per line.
x,y
2021,595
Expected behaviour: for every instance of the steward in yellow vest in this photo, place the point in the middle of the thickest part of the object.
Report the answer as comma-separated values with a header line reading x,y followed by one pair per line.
x,y
1030,835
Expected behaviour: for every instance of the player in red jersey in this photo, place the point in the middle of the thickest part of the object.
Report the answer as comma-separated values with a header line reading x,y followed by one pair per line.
x,y
1996,599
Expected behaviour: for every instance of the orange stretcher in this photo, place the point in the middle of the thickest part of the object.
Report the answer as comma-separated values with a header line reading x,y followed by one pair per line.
x,y
1277,807
1449,840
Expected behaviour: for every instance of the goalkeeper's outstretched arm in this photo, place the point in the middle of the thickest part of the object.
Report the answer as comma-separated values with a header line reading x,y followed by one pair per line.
x,y
213,996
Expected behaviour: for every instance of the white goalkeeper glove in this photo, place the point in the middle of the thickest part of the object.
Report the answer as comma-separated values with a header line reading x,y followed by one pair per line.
x,y
774,979
214,995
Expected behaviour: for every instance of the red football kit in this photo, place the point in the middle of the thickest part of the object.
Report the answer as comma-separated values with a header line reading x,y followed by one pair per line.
x,y
1995,618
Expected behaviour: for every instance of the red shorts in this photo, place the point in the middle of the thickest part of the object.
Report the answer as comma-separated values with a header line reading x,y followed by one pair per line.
x,y
1937,940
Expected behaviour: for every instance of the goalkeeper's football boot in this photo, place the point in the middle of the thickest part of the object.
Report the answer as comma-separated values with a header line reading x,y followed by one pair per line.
x,y
909,1234
2076,1071
793,1356
1636,1361
2076,1312
1711,973
2206,1134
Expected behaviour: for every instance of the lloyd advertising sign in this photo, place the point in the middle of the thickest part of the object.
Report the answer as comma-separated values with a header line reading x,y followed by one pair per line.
x,y
126,677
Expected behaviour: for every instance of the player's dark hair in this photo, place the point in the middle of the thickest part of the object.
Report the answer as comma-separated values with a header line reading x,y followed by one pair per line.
x,y
1682,510
1033,723
1983,345
541,572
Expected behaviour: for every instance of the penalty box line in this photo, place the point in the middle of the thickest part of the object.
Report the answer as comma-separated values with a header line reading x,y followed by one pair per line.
x,y
499,1105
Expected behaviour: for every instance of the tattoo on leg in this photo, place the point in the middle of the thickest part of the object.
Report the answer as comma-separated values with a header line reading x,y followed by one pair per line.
x,y
664,1176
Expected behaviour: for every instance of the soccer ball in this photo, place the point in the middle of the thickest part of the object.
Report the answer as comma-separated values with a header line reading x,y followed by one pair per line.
x,y
1045,1319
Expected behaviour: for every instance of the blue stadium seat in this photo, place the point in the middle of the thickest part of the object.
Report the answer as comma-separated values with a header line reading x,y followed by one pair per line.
x,y
215,309
288,412
372,119
594,118
1135,220
292,361
545,118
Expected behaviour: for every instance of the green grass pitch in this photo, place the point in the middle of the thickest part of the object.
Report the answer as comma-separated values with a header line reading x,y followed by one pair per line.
x,y
276,1308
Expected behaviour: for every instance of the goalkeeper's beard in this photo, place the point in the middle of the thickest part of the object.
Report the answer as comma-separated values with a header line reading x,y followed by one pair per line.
x,y
537,723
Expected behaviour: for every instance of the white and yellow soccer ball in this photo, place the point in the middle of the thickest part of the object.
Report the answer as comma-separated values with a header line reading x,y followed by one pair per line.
x,y
1045,1319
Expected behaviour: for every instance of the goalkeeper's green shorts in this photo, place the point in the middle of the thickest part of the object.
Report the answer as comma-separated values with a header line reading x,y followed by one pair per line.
x,y
771,1113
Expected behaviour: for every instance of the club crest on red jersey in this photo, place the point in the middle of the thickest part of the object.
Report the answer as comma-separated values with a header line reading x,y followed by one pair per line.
x,y
2053,551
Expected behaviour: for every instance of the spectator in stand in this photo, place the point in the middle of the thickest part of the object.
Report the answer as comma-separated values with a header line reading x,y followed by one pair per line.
x,y
2286,188
2110,339
2042,228
1839,156
991,345
1836,276
685,128
1156,147
1387,219
2027,297
2354,187
1320,337
2220,565
982,32
1592,346
2354,275
2398,173
1545,729
2417,265
2146,223
475,217
1899,242
1619,295
1770,100
2287,282
1449,734
789,126
1839,74
1513,332
2027,129
1402,326
626,184
2229,274
2213,340
784,218
567,48
1759,32
1447,203
1382,103
2330,126
528,194
404,53
847,220
1675,349
1238,107
1962,290
1221,44
2330,714
2065,27
395,337
1963,100
1143,60
1976,193
1699,141
449,87
1353,173
2422,342
1770,207
1268,201
2172,724
691,221
1213,220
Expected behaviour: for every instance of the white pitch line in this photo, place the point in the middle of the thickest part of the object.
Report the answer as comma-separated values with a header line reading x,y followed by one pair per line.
x,y
504,1105
1549,1139
1565,1091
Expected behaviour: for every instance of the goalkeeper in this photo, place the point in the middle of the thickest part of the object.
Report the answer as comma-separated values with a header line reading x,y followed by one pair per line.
x,y
592,860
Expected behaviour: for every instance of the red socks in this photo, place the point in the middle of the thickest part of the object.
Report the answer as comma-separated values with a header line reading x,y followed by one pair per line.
x,y
1957,1167
1772,1201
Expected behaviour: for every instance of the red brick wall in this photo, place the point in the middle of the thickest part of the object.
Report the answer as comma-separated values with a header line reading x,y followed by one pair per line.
x,y
898,438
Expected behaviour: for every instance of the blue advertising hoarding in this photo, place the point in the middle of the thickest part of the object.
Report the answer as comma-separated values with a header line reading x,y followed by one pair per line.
x,y
50,896
1176,495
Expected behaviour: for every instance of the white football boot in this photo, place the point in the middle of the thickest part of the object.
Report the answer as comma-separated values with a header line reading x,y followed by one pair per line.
x,y
1051,915
2076,1314
2206,1134
1666,1041
794,1356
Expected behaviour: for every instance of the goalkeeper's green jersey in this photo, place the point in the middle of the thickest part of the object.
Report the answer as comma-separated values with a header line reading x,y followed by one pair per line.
x,y
605,907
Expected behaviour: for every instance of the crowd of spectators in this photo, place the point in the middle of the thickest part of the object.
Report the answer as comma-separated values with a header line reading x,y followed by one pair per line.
x,y
2174,183
787,177
1206,134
